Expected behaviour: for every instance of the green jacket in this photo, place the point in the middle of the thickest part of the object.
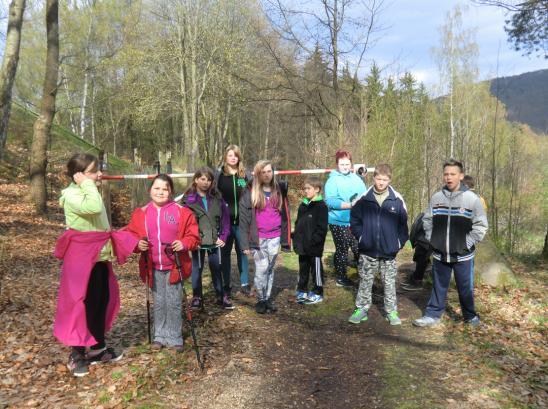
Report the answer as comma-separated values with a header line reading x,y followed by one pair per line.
x,y
85,211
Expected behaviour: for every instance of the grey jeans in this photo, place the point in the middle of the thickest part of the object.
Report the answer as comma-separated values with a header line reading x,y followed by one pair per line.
x,y
265,258
168,320
367,268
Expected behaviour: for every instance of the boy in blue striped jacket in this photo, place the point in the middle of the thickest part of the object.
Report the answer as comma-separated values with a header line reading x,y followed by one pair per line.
x,y
454,223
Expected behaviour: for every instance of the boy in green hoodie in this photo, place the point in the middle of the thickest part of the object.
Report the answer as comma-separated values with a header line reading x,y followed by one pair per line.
x,y
309,240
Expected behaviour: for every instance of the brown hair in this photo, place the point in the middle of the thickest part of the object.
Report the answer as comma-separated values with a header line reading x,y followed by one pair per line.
x,y
469,181
204,171
79,162
454,162
238,153
314,181
166,178
383,169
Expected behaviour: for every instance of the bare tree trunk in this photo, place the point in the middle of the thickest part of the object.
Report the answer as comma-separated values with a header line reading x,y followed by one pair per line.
x,y
545,248
9,66
42,126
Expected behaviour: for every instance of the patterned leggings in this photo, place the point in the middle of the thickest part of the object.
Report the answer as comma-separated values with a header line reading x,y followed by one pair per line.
x,y
343,241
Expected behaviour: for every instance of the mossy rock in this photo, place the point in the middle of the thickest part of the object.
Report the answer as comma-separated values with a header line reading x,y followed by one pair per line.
x,y
491,267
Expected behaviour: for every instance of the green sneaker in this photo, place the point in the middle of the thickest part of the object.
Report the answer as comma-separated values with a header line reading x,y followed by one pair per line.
x,y
393,318
359,315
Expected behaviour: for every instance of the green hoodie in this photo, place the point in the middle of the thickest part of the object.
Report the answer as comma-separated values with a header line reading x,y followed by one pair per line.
x,y
85,211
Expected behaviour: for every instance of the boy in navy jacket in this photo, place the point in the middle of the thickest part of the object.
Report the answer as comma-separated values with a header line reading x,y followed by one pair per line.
x,y
379,221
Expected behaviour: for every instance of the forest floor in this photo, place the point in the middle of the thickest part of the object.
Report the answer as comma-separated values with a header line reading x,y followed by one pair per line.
x,y
300,357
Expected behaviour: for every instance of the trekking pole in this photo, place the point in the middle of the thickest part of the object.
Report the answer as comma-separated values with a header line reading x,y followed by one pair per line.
x,y
188,313
147,283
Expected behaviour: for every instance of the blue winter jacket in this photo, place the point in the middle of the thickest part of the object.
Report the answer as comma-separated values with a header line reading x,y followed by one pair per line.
x,y
381,231
341,188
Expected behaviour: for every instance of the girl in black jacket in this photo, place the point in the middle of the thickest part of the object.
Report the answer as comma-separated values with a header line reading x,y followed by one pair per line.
x,y
309,240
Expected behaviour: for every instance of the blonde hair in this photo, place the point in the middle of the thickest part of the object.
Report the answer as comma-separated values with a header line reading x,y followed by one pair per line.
x,y
258,200
224,166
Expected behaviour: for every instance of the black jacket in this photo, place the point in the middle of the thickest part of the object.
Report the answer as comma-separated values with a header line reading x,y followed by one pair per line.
x,y
231,188
249,234
310,228
417,236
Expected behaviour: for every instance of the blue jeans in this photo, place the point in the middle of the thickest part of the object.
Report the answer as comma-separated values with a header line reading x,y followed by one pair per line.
x,y
198,261
234,238
441,276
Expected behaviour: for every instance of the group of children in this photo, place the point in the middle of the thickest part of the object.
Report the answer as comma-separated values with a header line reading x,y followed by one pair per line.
x,y
255,217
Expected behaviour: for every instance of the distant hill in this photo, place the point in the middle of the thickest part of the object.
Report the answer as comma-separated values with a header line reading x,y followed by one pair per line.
x,y
525,97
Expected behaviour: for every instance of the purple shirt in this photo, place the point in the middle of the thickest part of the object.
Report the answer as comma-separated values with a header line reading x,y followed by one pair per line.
x,y
269,220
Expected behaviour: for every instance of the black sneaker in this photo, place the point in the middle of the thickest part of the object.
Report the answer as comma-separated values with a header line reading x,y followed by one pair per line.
x,y
106,355
270,306
77,365
344,282
227,303
245,290
260,307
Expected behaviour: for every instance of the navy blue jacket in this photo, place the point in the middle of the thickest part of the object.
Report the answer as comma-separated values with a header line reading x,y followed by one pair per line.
x,y
381,231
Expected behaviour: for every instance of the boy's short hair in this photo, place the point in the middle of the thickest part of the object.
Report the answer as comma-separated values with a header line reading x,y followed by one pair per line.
x,y
469,181
314,181
383,169
454,162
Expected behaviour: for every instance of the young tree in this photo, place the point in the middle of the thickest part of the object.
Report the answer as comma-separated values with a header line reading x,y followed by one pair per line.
x,y
9,66
42,126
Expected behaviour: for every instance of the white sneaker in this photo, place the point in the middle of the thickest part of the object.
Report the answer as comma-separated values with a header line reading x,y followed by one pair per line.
x,y
426,322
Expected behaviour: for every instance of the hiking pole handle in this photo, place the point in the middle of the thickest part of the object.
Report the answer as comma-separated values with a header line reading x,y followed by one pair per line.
x,y
188,312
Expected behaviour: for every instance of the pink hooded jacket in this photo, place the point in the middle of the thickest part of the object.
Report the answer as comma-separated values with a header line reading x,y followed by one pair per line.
x,y
79,252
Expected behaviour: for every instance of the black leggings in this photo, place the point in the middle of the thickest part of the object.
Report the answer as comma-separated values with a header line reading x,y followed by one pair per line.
x,y
97,297
343,239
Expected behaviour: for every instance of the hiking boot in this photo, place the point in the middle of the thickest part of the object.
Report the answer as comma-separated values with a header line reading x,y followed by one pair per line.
x,y
359,315
473,322
393,318
77,365
106,355
426,322
196,303
260,307
313,298
412,286
227,303
270,306
344,282
301,297
156,346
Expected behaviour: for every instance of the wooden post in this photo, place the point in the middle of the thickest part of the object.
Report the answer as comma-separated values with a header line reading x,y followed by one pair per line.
x,y
105,186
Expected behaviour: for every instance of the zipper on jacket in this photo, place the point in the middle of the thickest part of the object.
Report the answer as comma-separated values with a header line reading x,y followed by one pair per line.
x,y
159,241
448,256
235,198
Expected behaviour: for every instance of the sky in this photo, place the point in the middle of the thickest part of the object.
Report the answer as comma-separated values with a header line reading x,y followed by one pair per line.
x,y
411,30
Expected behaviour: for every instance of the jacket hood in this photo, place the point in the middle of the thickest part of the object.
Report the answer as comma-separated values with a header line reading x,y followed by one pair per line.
x,y
335,173
462,188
